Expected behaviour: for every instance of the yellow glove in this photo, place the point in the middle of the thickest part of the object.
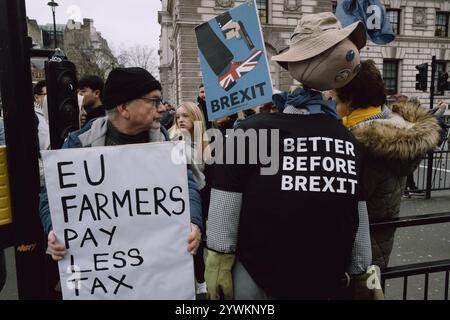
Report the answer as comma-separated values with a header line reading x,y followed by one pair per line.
x,y
219,279
367,286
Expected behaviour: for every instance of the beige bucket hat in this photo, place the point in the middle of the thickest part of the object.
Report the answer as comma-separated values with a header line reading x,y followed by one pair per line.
x,y
316,33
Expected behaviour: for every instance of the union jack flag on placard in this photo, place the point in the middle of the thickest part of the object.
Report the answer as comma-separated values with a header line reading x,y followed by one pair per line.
x,y
238,69
233,60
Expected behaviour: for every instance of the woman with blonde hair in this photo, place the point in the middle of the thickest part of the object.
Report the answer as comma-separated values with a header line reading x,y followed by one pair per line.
x,y
189,126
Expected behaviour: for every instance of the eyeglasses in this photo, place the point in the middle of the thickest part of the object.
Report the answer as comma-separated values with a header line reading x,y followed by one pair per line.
x,y
156,101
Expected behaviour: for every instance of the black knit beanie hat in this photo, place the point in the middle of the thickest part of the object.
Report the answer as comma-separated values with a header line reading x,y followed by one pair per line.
x,y
126,84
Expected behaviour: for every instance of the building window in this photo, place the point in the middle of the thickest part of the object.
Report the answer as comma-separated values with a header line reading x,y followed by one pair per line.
x,y
48,39
390,76
441,24
394,19
263,12
441,67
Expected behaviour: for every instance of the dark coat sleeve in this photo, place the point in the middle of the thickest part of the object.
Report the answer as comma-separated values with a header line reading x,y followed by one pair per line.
x,y
44,209
195,202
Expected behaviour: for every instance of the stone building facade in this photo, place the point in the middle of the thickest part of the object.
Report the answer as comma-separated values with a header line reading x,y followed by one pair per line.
x,y
35,32
81,42
422,29
86,47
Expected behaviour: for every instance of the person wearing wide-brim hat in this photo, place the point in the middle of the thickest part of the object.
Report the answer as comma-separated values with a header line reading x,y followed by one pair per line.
x,y
286,230
322,55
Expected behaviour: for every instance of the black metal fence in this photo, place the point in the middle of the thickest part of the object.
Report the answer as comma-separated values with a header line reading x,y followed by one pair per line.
x,y
439,175
419,269
433,174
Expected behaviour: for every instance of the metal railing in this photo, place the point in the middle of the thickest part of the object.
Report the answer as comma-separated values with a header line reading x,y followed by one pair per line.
x,y
417,269
426,268
439,175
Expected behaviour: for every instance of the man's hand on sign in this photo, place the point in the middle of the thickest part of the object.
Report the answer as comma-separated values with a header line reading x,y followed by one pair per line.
x,y
442,105
195,237
55,247
232,30
223,121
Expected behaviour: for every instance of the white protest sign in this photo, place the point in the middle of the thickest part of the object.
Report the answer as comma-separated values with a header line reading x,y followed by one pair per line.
x,y
123,214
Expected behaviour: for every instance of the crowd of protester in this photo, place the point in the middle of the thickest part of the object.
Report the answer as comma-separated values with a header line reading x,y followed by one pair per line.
x,y
385,139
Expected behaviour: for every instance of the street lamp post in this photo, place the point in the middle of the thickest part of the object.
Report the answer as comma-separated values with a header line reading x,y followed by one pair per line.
x,y
53,5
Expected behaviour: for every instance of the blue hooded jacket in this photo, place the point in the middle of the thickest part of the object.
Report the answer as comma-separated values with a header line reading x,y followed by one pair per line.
x,y
371,13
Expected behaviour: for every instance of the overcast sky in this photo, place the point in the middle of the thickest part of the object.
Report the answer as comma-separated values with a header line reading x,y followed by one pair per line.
x,y
121,22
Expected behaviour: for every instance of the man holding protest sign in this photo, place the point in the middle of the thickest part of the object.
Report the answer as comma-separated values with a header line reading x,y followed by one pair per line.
x,y
132,98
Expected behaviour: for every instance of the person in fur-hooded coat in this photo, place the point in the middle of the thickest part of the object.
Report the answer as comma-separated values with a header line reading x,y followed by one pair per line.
x,y
394,142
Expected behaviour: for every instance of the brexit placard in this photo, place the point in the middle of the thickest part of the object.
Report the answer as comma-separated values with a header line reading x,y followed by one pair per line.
x,y
122,214
233,62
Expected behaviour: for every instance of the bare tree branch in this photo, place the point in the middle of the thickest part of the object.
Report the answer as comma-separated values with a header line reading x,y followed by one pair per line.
x,y
140,56
92,61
